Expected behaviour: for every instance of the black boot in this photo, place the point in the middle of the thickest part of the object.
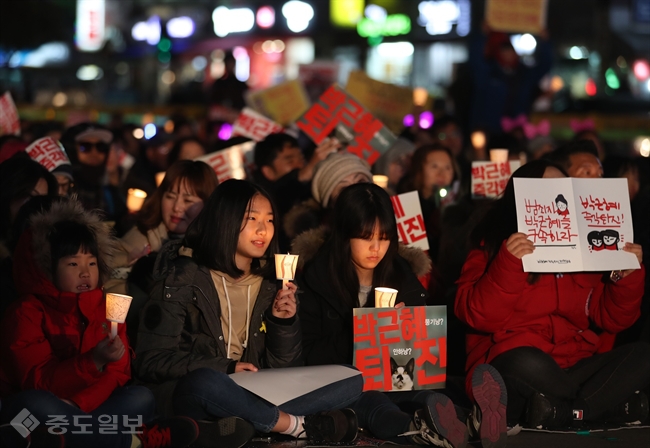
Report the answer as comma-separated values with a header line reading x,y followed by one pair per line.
x,y
552,413
633,411
332,426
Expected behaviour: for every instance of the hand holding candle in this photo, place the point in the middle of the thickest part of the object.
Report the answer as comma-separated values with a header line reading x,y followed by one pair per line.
x,y
385,297
117,307
285,268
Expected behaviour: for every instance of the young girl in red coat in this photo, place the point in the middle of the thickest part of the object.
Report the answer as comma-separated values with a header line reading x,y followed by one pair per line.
x,y
59,362
541,331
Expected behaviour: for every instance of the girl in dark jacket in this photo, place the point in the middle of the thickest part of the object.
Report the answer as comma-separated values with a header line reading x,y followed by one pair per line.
x,y
216,310
362,253
541,331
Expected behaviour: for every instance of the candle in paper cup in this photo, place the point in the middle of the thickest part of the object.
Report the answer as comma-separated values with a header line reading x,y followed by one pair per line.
x,y
498,155
117,307
285,268
385,297
159,178
135,199
380,180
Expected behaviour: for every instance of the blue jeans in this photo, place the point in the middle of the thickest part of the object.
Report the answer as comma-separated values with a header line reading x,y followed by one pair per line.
x,y
206,393
129,401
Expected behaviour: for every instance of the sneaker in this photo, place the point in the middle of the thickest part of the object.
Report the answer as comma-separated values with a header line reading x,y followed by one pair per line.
x,y
230,432
488,419
332,426
174,432
550,413
422,432
633,411
440,413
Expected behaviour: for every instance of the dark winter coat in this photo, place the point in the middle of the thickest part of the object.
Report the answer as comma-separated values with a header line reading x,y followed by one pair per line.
x,y
326,319
180,328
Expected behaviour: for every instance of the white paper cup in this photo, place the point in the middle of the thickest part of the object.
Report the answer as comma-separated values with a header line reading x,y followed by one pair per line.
x,y
385,297
498,155
135,199
117,307
285,267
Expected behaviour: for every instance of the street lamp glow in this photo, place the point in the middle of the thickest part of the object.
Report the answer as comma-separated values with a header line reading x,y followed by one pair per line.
x,y
180,27
298,15
237,20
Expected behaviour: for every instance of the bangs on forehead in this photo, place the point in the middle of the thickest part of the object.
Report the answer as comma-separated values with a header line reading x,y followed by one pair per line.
x,y
369,226
183,185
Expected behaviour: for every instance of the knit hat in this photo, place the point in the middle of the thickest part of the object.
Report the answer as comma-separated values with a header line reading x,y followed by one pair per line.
x,y
331,171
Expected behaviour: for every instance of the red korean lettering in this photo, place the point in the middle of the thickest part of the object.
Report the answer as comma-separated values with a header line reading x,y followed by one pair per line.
x,y
413,323
415,228
364,329
388,328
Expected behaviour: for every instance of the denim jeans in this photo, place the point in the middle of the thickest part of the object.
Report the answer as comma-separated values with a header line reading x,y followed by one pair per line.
x,y
206,393
598,382
129,401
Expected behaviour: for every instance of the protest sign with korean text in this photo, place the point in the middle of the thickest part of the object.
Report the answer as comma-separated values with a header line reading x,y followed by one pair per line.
x,y
229,163
254,125
284,103
48,152
9,120
489,179
409,340
410,221
575,224
337,114
516,16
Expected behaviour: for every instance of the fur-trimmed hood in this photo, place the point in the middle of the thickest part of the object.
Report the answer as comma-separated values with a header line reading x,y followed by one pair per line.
x,y
308,243
33,258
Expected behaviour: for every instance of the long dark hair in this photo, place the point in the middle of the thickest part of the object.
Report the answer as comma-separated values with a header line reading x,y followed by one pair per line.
x,y
414,178
214,234
200,179
501,220
358,210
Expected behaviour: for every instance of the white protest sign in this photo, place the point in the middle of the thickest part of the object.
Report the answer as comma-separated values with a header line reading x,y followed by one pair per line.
x,y
279,386
410,222
489,179
229,163
575,224
254,125
48,152
9,121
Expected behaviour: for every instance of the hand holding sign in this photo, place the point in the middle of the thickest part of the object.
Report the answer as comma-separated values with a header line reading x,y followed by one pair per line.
x,y
519,245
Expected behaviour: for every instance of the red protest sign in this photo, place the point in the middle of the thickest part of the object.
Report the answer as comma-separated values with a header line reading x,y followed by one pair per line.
x,y
410,221
48,152
9,120
489,179
229,163
254,125
413,338
337,114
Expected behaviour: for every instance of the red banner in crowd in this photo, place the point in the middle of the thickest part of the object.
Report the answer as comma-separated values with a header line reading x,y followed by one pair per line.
x,y
254,125
410,221
9,121
489,179
48,152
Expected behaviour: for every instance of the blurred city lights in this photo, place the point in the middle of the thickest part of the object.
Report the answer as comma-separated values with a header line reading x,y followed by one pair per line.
x,y
149,131
376,13
169,126
621,62
266,17
243,65
575,53
420,96
225,132
237,20
641,70
180,27
147,31
90,26
50,53
557,83
122,68
590,87
524,44
138,133
438,17
426,119
89,73
59,99
644,148
611,79
168,77
395,49
298,15
346,13
199,63
478,139
409,120
443,192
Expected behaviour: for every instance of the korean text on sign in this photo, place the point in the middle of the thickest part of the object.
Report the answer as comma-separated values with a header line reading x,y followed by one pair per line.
x,y
254,125
410,221
48,152
336,109
489,179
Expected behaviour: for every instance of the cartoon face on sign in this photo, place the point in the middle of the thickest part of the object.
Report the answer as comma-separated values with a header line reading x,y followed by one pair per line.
x,y
562,205
595,240
610,239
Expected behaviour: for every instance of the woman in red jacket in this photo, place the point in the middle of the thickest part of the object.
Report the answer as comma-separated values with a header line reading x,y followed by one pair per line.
x,y
541,330
60,369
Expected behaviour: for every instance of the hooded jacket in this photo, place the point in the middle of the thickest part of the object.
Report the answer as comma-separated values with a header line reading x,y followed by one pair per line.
x,y
326,319
556,314
180,328
47,337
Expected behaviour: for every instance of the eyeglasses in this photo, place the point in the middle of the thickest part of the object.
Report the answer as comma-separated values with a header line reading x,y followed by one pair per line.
x,y
87,147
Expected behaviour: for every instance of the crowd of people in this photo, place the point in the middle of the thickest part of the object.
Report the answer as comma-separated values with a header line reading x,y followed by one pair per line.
x,y
536,350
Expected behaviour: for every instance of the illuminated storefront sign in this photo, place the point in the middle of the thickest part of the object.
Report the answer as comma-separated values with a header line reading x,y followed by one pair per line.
x,y
392,25
90,27
439,16
180,27
147,31
237,20
298,15
346,13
